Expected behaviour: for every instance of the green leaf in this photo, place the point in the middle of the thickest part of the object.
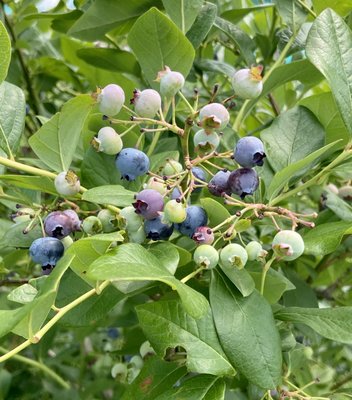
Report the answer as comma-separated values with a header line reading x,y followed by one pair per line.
x,y
23,294
157,42
183,12
236,15
12,116
291,13
332,323
201,387
197,336
154,379
215,66
110,59
247,332
240,278
167,254
202,24
41,183
132,262
323,106
239,37
342,7
283,177
5,52
115,195
104,15
325,238
337,205
56,141
14,236
328,47
217,213
286,140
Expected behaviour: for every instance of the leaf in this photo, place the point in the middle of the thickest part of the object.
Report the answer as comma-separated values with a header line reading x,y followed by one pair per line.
x,y
201,387
14,236
329,48
286,140
342,7
325,238
215,66
283,177
167,254
166,325
23,294
236,15
154,379
12,115
217,213
332,323
183,12
132,262
41,183
110,59
240,278
239,37
115,195
291,13
202,24
247,332
157,42
56,141
5,52
338,206
104,15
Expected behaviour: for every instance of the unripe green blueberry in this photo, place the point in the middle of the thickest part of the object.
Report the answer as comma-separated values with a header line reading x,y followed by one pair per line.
x,y
132,220
137,236
154,184
175,211
255,251
247,83
171,82
146,349
288,245
233,255
108,220
206,255
92,225
119,371
172,167
67,183
345,192
108,141
206,141
111,100
213,116
136,362
146,103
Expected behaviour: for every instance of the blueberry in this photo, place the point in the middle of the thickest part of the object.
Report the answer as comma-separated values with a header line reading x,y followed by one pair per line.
x,y
249,152
155,229
154,184
176,194
288,245
243,181
233,255
146,349
132,220
203,235
76,222
213,116
206,256
107,141
58,224
137,236
67,183
149,203
132,163
170,82
174,211
146,103
172,167
206,142
92,225
108,220
46,251
255,251
247,83
111,100
219,184
200,177
345,192
196,217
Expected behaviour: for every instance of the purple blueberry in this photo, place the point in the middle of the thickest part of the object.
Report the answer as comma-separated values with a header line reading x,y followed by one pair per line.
x,y
46,252
249,152
132,163
196,217
203,235
76,222
219,183
149,203
243,181
58,225
155,229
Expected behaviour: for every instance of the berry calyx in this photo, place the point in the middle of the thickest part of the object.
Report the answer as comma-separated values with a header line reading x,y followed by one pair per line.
x,y
233,255
288,245
149,203
249,152
67,183
206,256
243,182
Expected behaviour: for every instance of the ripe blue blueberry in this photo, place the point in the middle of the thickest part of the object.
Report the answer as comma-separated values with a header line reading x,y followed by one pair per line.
x,y
149,203
213,116
288,245
176,194
200,177
46,251
67,183
203,235
196,217
58,224
111,100
155,229
132,163
146,103
219,184
206,256
243,182
249,152
107,141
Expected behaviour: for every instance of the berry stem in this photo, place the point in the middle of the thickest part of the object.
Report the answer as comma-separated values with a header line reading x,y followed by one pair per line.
x,y
192,274
265,271
191,109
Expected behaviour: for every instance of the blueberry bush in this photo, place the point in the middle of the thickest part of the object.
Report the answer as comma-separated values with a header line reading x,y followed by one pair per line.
x,y
176,187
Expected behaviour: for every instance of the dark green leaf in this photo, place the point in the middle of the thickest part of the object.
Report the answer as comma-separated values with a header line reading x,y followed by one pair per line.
x,y
236,15
291,13
217,213
202,24
109,194
5,52
338,206
41,183
240,278
183,12
14,237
